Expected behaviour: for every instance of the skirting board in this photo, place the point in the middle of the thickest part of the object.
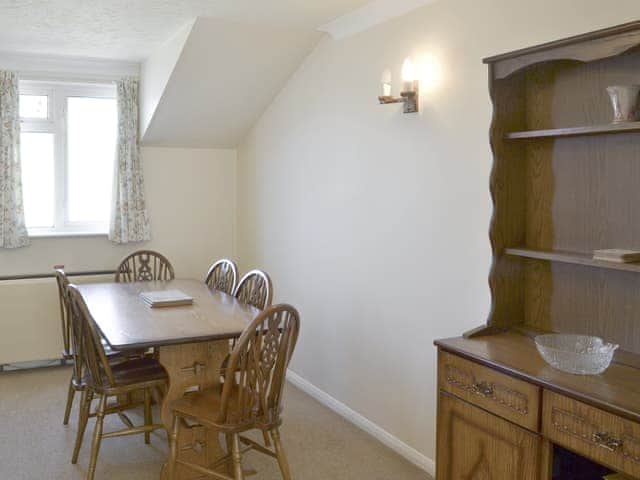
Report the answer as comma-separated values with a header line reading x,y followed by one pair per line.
x,y
395,444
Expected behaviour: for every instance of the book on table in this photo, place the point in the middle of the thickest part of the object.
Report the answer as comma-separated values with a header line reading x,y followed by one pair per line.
x,y
166,298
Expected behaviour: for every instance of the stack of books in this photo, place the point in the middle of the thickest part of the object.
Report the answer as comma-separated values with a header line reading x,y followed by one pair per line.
x,y
166,298
617,255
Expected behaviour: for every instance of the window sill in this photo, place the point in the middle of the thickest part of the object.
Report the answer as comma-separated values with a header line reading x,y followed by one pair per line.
x,y
66,234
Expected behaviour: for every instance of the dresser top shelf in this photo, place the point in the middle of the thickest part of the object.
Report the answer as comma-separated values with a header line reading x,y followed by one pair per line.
x,y
575,258
576,131
617,390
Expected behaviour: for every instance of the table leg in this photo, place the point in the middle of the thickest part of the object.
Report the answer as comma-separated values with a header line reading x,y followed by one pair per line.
x,y
189,366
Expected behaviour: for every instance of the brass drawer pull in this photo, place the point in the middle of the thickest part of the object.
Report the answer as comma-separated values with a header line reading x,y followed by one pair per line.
x,y
483,388
605,440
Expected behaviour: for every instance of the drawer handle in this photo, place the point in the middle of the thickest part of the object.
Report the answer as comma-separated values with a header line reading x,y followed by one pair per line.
x,y
483,388
605,440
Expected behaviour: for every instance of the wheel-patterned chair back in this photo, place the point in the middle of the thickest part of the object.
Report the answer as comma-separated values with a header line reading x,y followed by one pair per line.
x,y
144,266
223,276
255,378
255,289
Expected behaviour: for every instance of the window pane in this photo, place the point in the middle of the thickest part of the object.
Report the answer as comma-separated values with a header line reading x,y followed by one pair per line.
x,y
92,126
34,106
38,178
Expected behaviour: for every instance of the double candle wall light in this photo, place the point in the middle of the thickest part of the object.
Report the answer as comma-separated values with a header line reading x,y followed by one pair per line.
x,y
410,94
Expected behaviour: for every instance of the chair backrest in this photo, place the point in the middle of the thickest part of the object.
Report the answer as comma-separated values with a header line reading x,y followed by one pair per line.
x,y
255,289
63,282
144,266
254,382
223,276
86,340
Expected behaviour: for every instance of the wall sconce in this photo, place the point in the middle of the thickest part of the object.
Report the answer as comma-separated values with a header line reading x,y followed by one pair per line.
x,y
410,94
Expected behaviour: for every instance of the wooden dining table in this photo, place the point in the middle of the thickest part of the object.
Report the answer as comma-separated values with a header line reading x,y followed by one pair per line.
x,y
192,342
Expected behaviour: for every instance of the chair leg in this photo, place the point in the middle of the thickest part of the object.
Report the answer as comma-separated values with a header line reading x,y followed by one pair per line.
x,y
97,437
83,416
282,457
147,414
70,395
267,440
237,458
229,442
173,443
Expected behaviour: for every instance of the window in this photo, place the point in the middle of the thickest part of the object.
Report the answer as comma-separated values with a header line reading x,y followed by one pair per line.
x,y
68,142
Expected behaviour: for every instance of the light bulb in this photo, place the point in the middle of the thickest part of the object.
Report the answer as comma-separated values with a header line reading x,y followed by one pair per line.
x,y
386,83
408,74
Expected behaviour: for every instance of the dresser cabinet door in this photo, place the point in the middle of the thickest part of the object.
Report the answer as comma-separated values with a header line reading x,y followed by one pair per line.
x,y
476,445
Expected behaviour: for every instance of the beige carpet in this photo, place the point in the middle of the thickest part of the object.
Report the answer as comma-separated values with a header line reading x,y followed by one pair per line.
x,y
34,445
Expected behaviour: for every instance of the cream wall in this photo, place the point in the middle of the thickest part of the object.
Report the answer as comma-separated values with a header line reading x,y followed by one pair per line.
x,y
373,223
191,203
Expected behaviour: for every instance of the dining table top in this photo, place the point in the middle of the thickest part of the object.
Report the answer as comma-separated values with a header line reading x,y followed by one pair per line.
x,y
128,323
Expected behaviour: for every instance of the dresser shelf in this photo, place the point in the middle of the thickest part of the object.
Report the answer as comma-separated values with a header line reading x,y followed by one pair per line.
x,y
576,131
571,257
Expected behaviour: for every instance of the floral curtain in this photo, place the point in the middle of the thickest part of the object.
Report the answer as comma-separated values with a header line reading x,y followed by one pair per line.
x,y
13,232
129,219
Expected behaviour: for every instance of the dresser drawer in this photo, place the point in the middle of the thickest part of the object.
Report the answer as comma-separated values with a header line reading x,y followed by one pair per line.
x,y
605,438
508,397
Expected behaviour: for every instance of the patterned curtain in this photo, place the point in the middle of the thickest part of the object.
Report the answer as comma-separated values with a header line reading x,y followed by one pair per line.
x,y
129,219
13,232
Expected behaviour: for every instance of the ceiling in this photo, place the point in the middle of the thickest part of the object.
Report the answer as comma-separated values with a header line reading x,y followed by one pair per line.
x,y
132,30
225,76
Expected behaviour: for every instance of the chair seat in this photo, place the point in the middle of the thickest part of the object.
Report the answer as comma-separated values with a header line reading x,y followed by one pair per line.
x,y
204,407
136,373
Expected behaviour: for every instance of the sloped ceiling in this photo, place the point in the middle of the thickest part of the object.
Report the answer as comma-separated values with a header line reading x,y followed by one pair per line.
x,y
225,77
369,15
156,71
132,30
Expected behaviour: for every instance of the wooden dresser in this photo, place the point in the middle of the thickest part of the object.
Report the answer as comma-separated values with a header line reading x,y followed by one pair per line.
x,y
565,182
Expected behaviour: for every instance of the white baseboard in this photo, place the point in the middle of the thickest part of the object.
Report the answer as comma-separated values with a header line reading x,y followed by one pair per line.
x,y
395,444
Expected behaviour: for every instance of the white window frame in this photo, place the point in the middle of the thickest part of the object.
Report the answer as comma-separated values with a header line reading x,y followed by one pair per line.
x,y
56,123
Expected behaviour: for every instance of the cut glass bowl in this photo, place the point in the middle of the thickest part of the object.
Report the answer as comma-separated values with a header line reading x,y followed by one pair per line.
x,y
577,354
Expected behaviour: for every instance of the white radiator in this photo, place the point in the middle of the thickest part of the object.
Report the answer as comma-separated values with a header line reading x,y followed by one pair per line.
x,y
30,326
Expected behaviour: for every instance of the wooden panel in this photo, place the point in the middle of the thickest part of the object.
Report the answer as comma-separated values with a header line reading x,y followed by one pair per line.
x,y
508,194
600,436
192,366
592,194
617,390
473,444
572,298
128,323
496,392
586,47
